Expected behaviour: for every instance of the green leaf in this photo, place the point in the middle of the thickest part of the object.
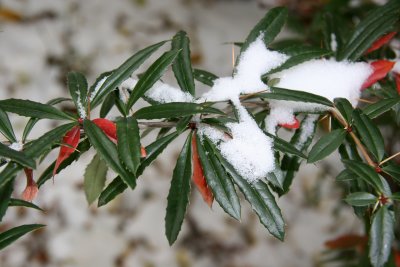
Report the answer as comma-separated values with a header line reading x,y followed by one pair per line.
x,y
33,109
151,76
381,236
393,170
380,107
48,173
6,128
108,151
268,27
107,105
345,108
326,145
345,175
276,177
261,200
116,187
5,195
94,178
204,77
369,134
178,196
294,95
17,156
174,110
220,184
365,172
360,199
78,86
298,55
8,173
123,72
284,146
22,203
8,237
129,142
378,22
182,66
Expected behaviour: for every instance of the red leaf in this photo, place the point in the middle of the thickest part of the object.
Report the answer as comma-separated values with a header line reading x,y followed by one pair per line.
x,y
108,127
143,152
293,125
380,69
31,188
347,241
381,41
198,176
71,139
397,79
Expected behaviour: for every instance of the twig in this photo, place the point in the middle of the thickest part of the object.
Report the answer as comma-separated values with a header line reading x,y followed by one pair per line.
x,y
389,158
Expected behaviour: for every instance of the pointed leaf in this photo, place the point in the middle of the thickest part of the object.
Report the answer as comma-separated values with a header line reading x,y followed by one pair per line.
x,y
69,143
182,66
380,107
94,178
129,142
380,69
123,72
381,236
17,156
5,195
204,77
33,109
326,145
78,86
284,146
6,128
369,134
381,41
345,175
393,170
174,110
151,76
360,199
365,172
116,187
8,237
345,108
108,151
8,173
178,196
22,203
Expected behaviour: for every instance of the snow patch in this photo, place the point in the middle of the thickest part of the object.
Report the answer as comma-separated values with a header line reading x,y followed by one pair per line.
x,y
18,146
164,93
97,87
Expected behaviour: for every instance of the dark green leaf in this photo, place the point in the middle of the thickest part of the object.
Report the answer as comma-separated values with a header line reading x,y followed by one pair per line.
x,y
369,134
178,196
107,105
221,186
345,175
380,107
22,203
294,95
94,178
345,108
6,128
393,170
78,86
8,173
182,66
381,236
5,195
116,187
326,145
276,177
8,237
284,146
17,156
174,110
129,142
151,76
33,109
365,172
108,151
123,72
378,22
360,199
204,77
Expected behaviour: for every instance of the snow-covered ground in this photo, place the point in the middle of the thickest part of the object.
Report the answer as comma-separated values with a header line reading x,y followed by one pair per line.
x,y
45,39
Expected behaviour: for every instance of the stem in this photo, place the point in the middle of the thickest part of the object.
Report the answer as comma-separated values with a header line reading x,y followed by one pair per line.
x,y
389,158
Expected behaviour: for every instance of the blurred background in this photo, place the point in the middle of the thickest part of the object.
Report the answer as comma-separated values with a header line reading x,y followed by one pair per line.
x,y
40,41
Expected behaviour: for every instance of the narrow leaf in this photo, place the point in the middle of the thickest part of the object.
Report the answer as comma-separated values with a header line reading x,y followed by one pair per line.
x,y
108,151
151,76
174,110
284,146
94,178
365,172
326,145
5,195
8,237
360,199
17,156
6,128
204,77
30,108
116,187
345,108
78,87
178,196
22,203
182,66
380,107
129,142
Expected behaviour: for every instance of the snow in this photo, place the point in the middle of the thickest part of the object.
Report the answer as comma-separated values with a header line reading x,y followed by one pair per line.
x,y
307,129
81,108
17,146
333,42
164,93
97,87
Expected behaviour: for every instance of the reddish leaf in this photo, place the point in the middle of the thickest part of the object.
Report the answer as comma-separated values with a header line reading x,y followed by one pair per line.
x,y
380,69
198,176
293,125
143,152
397,79
381,41
108,127
31,188
71,139
347,241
